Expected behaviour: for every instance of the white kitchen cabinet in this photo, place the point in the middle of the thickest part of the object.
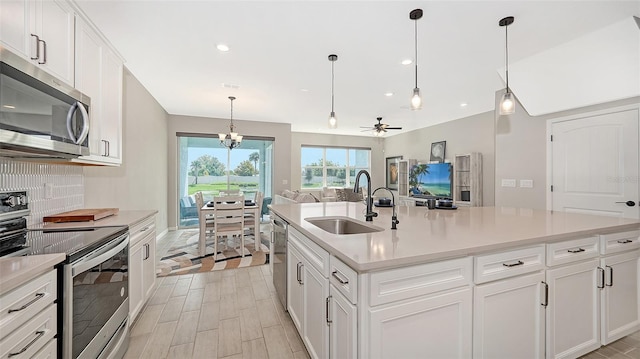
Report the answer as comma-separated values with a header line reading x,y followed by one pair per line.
x,y
343,325
99,75
620,305
315,332
573,312
509,318
41,31
294,286
142,271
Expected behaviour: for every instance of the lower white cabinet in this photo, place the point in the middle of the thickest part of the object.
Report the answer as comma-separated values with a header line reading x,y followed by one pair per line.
x,y
294,286
142,263
573,313
435,326
315,326
509,318
620,308
343,326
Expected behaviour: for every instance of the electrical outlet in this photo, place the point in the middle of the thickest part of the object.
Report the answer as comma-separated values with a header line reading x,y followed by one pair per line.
x,y
507,182
48,191
526,183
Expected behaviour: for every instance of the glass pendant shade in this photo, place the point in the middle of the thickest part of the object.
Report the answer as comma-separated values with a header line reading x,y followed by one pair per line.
x,y
333,120
416,100
222,136
507,104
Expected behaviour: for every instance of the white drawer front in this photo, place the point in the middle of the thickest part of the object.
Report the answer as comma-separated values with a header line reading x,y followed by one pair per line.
x,y
403,283
31,337
572,251
344,279
318,257
619,242
508,264
22,303
140,230
49,351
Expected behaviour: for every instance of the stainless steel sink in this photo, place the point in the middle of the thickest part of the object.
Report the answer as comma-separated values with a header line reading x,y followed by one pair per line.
x,y
342,225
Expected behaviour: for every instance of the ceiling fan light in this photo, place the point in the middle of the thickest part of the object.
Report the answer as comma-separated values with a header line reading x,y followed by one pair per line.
x,y
507,104
333,120
416,100
378,133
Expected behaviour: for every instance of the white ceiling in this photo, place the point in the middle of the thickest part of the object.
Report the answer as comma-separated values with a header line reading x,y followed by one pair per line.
x,y
280,48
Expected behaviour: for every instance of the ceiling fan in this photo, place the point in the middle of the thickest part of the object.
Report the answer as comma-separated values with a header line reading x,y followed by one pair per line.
x,y
380,128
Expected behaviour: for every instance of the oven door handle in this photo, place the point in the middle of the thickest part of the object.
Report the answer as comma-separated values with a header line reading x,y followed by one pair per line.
x,y
93,259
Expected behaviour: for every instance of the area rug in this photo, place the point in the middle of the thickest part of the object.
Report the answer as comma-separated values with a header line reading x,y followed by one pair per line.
x,y
183,256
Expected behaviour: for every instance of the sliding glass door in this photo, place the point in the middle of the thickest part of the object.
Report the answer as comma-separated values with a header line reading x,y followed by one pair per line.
x,y
205,165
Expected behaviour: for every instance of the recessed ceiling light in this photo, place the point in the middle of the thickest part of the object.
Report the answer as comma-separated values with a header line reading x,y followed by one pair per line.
x,y
230,86
388,94
304,90
463,104
222,47
8,106
407,62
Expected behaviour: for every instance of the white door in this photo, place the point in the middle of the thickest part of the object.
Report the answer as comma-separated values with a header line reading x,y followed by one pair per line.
x,y
315,333
620,298
55,24
508,318
14,26
343,341
149,264
595,165
136,268
573,313
294,285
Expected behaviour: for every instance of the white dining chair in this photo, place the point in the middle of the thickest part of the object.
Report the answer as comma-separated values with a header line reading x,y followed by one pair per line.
x,y
228,212
250,219
209,220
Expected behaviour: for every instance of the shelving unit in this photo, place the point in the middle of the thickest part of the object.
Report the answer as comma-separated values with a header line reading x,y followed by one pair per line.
x,y
403,176
467,185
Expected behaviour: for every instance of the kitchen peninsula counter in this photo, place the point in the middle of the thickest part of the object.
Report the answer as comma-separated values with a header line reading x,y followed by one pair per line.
x,y
15,271
425,235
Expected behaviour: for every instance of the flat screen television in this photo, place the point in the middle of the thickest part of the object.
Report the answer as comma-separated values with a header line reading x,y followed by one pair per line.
x,y
434,179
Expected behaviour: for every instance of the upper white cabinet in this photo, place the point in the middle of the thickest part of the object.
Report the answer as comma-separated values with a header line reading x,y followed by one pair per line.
x,y
41,31
99,75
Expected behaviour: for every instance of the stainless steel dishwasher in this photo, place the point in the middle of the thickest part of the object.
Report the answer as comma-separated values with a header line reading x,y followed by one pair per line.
x,y
279,242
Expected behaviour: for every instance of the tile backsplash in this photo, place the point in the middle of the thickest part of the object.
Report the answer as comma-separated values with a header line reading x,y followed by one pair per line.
x,y
51,188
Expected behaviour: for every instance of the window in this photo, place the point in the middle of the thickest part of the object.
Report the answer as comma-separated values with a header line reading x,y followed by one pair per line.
x,y
332,166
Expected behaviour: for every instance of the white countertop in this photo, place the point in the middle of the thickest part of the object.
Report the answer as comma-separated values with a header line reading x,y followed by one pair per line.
x,y
425,235
15,271
123,218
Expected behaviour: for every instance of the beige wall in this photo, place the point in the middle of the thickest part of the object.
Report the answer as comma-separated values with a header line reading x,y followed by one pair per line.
x,y
469,134
281,132
298,139
141,181
521,146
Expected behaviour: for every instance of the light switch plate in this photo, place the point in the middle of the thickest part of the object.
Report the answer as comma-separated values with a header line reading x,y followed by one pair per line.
x,y
48,191
526,183
507,182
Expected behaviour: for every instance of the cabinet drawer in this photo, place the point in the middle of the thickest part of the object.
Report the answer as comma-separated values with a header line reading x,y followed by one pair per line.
x,y
22,303
572,251
508,264
619,242
49,351
344,279
32,336
317,257
403,283
142,228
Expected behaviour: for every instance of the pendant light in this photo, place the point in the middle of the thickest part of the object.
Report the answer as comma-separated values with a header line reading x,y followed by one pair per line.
x,y
333,121
233,139
507,104
416,100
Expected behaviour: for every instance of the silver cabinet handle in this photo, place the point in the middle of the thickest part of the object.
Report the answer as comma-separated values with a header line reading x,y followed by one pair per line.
x,y
108,148
298,265
146,251
44,52
575,250
624,241
104,152
37,47
342,281
39,334
601,278
144,229
518,263
610,284
329,321
26,305
546,295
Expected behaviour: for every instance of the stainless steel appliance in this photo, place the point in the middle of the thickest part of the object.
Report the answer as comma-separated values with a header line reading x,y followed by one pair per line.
x,y
13,225
40,116
279,242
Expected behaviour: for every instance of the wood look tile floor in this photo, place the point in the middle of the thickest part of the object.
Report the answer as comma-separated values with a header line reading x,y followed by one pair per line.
x,y
235,313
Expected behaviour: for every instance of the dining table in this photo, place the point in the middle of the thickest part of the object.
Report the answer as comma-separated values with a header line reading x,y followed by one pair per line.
x,y
208,209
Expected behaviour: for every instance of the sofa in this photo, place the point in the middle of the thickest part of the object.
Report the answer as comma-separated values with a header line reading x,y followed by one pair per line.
x,y
288,196
326,195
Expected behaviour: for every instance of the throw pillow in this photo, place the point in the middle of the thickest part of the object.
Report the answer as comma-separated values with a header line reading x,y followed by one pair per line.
x,y
341,195
353,196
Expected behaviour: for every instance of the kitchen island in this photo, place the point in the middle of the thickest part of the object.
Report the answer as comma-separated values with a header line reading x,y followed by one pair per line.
x,y
472,282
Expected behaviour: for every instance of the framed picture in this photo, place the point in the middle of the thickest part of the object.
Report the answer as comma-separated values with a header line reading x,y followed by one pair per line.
x,y
391,168
438,151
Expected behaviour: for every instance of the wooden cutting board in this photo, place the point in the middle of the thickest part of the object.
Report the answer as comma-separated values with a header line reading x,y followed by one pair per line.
x,y
81,215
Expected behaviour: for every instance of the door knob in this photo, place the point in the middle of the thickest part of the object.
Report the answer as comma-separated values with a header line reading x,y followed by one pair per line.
x,y
628,203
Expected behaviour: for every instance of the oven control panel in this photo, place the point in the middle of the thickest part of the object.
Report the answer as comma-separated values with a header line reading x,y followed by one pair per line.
x,y
13,204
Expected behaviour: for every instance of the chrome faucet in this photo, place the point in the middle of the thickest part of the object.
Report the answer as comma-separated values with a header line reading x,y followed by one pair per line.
x,y
394,215
370,214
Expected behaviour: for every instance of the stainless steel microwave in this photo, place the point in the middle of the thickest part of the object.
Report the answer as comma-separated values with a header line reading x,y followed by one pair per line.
x,y
40,116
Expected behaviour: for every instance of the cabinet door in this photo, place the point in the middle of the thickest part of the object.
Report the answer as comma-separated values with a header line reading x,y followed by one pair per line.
x,y
111,119
149,265
508,318
136,294
620,306
294,285
315,332
573,313
14,26
437,326
55,24
343,337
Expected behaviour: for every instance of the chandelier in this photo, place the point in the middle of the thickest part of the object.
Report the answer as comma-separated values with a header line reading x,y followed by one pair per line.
x,y
232,139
